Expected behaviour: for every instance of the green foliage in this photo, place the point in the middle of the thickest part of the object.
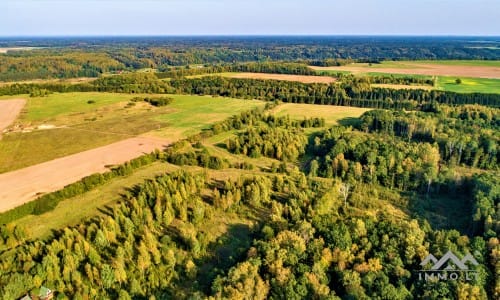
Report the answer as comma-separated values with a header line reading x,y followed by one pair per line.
x,y
44,64
464,134
486,198
348,93
155,101
39,92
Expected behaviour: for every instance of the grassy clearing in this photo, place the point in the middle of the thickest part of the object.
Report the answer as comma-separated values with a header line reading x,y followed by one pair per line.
x,y
89,204
106,121
399,75
46,109
332,114
223,74
468,85
190,114
18,150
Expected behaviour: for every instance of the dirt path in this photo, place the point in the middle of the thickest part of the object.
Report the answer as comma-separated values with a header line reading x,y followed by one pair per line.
x,y
9,110
21,186
285,77
424,69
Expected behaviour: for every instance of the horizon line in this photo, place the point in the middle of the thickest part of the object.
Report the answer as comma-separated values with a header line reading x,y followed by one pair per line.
x,y
247,35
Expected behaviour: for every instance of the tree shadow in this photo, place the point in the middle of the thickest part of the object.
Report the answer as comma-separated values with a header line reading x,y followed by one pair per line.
x,y
226,251
349,121
221,145
448,211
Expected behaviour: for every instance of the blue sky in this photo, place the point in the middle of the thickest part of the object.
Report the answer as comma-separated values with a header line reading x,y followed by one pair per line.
x,y
226,17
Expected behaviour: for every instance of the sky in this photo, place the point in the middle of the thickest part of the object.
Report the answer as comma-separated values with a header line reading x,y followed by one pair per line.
x,y
242,17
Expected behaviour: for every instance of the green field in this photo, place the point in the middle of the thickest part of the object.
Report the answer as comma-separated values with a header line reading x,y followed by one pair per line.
x,y
331,114
223,74
468,85
69,104
444,83
193,113
106,121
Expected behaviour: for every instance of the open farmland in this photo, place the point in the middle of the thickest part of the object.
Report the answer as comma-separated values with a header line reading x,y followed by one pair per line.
x,y
192,114
437,68
23,185
331,114
77,126
468,85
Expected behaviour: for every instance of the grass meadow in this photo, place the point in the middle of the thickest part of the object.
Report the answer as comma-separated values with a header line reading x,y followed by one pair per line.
x,y
80,126
331,114
468,85
191,114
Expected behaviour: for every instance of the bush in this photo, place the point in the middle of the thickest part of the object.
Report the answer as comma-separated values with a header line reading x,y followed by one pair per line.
x,y
156,101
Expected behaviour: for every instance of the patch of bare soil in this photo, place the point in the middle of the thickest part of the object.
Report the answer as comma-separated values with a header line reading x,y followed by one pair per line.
x,y
24,185
425,69
9,110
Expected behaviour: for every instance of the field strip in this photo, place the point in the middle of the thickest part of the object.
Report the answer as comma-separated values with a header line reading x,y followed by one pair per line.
x,y
284,77
9,110
423,69
402,86
24,185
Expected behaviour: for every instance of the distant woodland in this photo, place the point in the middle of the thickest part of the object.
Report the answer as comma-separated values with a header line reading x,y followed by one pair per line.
x,y
69,58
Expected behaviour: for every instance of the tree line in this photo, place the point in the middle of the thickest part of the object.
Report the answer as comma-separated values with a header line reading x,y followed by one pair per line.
x,y
355,93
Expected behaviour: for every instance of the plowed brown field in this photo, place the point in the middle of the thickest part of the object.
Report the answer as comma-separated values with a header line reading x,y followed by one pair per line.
x,y
24,185
422,69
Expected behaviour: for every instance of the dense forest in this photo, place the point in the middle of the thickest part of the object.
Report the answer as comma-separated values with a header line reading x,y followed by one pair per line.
x,y
90,57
